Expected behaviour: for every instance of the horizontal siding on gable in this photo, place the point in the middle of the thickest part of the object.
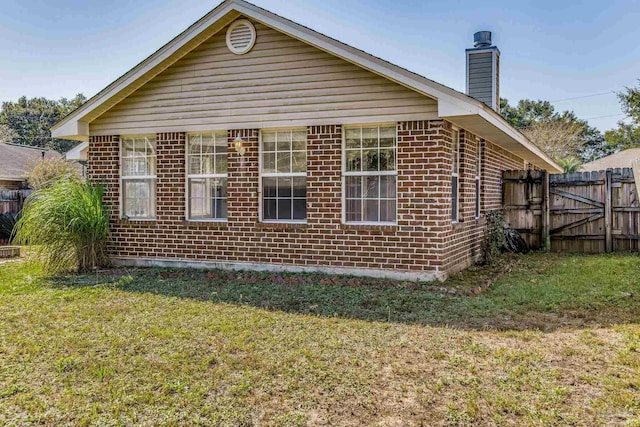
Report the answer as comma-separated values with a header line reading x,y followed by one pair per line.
x,y
281,82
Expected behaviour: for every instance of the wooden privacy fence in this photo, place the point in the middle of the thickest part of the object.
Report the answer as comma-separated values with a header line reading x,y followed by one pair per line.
x,y
12,200
588,212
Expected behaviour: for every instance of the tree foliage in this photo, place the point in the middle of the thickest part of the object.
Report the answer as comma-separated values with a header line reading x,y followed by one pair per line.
x,y
630,102
560,135
28,120
626,135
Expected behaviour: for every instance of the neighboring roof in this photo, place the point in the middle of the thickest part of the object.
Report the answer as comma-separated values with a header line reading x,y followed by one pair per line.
x,y
79,152
454,106
18,159
623,159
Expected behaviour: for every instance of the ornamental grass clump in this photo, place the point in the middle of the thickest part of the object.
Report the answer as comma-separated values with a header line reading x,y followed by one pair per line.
x,y
66,224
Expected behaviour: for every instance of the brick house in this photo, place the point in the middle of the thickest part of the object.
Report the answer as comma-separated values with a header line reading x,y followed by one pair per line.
x,y
252,142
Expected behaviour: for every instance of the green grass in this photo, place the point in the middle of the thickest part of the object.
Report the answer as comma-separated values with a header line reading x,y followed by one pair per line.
x,y
554,342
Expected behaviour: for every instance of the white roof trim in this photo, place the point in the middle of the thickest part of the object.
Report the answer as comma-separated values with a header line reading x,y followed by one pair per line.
x,y
451,103
79,152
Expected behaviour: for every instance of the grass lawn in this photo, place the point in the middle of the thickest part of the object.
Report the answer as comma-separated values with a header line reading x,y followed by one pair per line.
x,y
555,341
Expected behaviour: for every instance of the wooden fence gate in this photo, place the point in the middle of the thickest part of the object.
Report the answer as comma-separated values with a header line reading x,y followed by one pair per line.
x,y
588,212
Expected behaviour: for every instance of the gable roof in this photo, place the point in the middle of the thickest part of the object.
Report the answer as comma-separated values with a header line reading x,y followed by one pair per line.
x,y
622,159
453,106
18,159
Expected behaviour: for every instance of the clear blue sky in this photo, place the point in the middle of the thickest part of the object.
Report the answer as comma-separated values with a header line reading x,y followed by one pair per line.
x,y
551,50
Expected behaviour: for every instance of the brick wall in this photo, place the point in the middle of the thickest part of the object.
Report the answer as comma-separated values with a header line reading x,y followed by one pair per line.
x,y
464,240
423,242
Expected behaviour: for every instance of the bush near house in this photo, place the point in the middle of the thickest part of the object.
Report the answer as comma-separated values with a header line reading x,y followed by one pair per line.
x,y
66,224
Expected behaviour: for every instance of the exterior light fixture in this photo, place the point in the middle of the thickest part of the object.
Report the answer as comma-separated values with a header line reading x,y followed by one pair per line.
x,y
238,143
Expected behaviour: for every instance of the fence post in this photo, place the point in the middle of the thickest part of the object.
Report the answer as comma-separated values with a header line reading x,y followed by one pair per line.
x,y
608,217
545,238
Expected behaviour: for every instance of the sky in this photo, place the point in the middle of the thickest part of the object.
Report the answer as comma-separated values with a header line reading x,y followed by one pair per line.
x,y
575,53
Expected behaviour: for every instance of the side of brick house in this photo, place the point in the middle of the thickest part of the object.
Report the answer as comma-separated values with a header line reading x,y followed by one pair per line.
x,y
355,216
423,245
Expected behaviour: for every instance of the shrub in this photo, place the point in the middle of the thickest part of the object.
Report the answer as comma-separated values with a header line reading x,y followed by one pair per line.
x,y
495,235
8,223
47,171
67,224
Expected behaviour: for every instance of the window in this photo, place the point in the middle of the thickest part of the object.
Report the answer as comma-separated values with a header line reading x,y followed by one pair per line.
x,y
478,174
455,177
284,175
207,176
370,174
138,172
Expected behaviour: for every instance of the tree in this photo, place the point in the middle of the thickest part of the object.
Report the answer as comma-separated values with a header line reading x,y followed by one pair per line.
x,y
570,164
7,134
623,137
46,172
30,120
558,134
630,102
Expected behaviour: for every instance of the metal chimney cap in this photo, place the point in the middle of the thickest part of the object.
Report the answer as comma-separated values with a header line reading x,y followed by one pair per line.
x,y
482,39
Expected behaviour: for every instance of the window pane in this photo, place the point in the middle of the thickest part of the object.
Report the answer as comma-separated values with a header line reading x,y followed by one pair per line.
x,y
269,162
284,209
299,161
352,138
388,210
284,187
139,198
221,163
454,198
371,210
220,187
300,209
370,160
221,208
354,161
127,147
388,137
300,186
208,166
284,162
354,187
222,146
388,160
353,210
208,144
268,141
372,187
269,187
195,167
269,209
370,137
284,141
388,187
300,140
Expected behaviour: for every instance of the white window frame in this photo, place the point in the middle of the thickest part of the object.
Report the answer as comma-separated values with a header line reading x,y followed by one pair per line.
x,y
280,174
478,189
124,178
455,173
189,176
345,174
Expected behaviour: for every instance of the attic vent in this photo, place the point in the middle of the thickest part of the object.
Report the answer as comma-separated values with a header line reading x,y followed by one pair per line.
x,y
241,36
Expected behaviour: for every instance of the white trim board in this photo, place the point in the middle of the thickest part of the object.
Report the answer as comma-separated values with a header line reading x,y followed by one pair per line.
x,y
451,104
411,276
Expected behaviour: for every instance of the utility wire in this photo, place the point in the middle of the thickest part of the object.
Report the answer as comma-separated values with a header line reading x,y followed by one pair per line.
x,y
584,96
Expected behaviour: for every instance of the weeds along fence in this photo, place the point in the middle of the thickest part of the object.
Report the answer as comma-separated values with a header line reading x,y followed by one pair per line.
x,y
588,212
